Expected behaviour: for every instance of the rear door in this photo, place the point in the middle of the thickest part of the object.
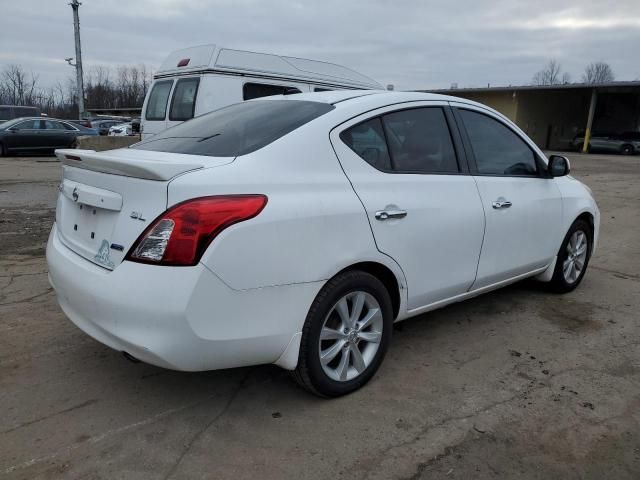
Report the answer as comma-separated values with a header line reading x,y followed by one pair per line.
x,y
55,135
522,205
407,166
156,107
183,100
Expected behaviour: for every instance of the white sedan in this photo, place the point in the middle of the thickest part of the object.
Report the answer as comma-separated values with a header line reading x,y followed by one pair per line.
x,y
296,229
121,130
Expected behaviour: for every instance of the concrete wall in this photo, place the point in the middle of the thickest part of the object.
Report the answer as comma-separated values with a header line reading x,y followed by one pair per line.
x,y
99,143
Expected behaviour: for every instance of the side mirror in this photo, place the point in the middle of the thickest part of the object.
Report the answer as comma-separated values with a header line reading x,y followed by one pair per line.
x,y
558,166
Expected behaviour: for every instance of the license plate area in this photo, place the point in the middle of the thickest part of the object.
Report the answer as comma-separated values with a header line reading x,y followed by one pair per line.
x,y
84,228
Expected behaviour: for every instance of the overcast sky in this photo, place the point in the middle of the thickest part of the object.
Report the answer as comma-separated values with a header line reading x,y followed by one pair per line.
x,y
412,44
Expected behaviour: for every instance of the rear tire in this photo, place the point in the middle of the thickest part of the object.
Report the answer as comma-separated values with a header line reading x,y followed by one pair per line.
x,y
345,336
2,151
573,258
627,150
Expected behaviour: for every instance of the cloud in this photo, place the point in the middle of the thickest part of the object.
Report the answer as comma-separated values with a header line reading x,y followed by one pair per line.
x,y
410,43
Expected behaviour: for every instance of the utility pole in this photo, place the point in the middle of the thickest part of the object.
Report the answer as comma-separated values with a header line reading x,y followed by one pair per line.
x,y
75,5
592,111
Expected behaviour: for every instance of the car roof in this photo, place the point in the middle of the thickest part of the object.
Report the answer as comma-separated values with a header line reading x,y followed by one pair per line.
x,y
374,97
43,118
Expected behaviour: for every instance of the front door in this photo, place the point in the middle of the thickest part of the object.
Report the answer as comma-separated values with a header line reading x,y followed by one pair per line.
x,y
523,206
25,136
423,208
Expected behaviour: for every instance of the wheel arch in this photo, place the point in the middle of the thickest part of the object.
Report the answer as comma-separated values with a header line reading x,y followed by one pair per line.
x,y
386,276
587,217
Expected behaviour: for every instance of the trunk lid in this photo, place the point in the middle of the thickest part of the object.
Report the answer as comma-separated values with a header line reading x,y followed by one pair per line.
x,y
107,199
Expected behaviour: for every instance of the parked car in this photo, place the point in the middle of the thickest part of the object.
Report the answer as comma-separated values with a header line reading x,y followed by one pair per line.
x,y
197,80
626,143
103,126
121,130
295,230
83,122
36,134
9,112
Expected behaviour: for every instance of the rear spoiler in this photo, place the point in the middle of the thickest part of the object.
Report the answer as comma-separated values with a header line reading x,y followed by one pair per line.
x,y
129,164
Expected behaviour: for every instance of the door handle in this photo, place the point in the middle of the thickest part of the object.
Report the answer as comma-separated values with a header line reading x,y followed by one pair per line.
x,y
387,214
501,204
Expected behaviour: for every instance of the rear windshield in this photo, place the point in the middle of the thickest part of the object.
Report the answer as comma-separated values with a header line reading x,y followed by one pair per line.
x,y
237,129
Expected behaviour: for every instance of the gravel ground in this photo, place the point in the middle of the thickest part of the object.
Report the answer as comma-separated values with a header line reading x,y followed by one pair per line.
x,y
517,383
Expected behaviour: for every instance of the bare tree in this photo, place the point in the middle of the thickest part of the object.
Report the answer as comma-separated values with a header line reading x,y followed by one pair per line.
x,y
551,75
104,88
17,87
598,72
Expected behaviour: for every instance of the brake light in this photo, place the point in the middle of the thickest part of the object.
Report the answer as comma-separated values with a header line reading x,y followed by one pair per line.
x,y
180,235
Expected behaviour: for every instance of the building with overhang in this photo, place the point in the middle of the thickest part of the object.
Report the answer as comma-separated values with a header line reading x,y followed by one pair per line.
x,y
553,115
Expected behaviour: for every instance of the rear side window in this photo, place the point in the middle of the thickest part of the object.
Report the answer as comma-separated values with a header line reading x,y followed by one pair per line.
x,y
496,148
416,140
235,130
258,90
184,99
157,104
420,141
52,125
367,140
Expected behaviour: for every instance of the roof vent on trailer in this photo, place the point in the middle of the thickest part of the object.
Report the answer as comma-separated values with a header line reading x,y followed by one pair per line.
x,y
184,62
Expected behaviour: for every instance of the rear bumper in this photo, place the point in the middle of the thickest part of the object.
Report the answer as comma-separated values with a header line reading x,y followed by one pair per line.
x,y
182,318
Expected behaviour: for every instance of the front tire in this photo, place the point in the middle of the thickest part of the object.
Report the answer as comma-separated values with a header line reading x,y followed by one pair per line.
x,y
573,258
345,336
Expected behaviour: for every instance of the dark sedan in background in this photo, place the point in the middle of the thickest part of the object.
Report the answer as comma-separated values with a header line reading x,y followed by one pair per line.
x,y
39,134
626,143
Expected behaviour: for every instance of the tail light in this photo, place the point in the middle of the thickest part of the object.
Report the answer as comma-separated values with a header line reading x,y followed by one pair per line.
x,y
180,235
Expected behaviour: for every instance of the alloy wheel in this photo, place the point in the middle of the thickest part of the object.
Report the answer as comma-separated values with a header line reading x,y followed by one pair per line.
x,y
350,336
576,256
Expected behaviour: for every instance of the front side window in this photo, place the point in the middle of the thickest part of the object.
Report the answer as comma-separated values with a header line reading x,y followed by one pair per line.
x,y
367,140
183,102
258,90
496,148
236,130
157,104
419,141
